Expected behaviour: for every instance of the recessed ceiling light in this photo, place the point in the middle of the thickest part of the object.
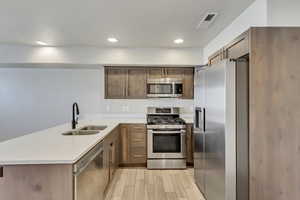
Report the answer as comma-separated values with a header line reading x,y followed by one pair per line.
x,y
41,43
112,40
178,41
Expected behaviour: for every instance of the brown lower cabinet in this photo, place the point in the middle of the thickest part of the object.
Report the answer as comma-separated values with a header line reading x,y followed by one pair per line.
x,y
111,152
189,145
133,144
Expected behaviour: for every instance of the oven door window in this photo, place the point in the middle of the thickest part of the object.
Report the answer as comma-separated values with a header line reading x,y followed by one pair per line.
x,y
160,89
166,143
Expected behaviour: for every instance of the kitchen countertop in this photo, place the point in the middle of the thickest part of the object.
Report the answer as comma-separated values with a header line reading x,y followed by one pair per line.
x,y
51,147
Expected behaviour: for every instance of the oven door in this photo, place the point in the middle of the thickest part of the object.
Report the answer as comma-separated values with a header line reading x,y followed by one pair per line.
x,y
166,144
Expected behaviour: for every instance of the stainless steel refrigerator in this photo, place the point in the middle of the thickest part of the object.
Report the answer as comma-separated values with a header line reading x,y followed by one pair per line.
x,y
221,130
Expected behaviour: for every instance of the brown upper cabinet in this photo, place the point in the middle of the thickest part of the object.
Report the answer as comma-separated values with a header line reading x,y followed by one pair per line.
x,y
131,82
239,47
156,72
188,83
125,83
216,57
173,72
115,81
136,83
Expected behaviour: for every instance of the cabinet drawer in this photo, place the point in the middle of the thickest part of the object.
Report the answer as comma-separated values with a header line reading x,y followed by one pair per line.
x,y
137,136
138,154
138,143
138,128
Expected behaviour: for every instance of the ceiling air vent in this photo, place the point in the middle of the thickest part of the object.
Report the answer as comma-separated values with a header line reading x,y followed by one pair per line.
x,y
207,20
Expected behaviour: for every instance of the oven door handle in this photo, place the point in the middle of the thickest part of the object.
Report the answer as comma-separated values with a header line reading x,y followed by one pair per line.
x,y
168,132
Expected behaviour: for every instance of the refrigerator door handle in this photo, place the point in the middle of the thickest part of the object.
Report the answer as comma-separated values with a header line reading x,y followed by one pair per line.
x,y
198,110
203,117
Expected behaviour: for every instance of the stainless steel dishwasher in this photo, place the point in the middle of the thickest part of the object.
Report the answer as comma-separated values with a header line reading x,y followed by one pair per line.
x,y
90,175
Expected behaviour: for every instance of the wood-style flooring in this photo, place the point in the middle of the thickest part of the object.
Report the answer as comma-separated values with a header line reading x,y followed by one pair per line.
x,y
143,184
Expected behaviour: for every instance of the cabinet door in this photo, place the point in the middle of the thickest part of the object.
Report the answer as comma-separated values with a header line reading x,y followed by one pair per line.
x,y
115,83
111,160
111,152
124,144
156,72
188,83
216,57
106,160
173,72
189,144
138,145
136,83
238,48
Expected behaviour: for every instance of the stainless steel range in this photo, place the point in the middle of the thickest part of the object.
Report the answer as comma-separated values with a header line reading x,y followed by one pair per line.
x,y
166,139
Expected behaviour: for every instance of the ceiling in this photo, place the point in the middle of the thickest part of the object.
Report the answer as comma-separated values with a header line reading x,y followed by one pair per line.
x,y
136,23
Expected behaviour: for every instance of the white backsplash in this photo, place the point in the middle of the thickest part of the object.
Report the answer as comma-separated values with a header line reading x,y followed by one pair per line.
x,y
140,106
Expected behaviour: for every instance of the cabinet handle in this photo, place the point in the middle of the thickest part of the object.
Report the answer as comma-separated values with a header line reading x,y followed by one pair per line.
x,y
1,172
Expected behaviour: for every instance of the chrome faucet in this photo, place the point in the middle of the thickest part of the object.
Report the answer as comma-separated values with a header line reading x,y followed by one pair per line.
x,y
75,119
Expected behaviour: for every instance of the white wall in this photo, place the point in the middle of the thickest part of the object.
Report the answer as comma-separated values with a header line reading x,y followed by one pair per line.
x,y
104,56
254,15
283,12
33,99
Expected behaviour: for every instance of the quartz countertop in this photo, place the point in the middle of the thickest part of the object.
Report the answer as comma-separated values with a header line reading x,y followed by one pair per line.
x,y
51,147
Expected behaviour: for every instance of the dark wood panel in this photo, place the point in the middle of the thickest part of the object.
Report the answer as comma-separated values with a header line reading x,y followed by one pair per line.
x,y
274,114
37,182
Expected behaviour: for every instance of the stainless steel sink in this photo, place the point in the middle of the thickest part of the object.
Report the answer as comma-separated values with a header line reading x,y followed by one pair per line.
x,y
93,128
81,132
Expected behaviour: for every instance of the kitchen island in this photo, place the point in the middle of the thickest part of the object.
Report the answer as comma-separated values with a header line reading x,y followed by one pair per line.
x,y
40,165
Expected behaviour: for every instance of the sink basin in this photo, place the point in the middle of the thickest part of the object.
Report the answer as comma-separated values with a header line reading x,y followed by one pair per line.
x,y
93,128
81,132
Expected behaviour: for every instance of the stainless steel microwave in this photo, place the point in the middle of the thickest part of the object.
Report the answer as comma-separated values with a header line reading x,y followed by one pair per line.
x,y
164,88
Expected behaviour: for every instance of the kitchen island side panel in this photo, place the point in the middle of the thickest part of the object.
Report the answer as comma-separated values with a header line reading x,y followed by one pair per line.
x,y
37,182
